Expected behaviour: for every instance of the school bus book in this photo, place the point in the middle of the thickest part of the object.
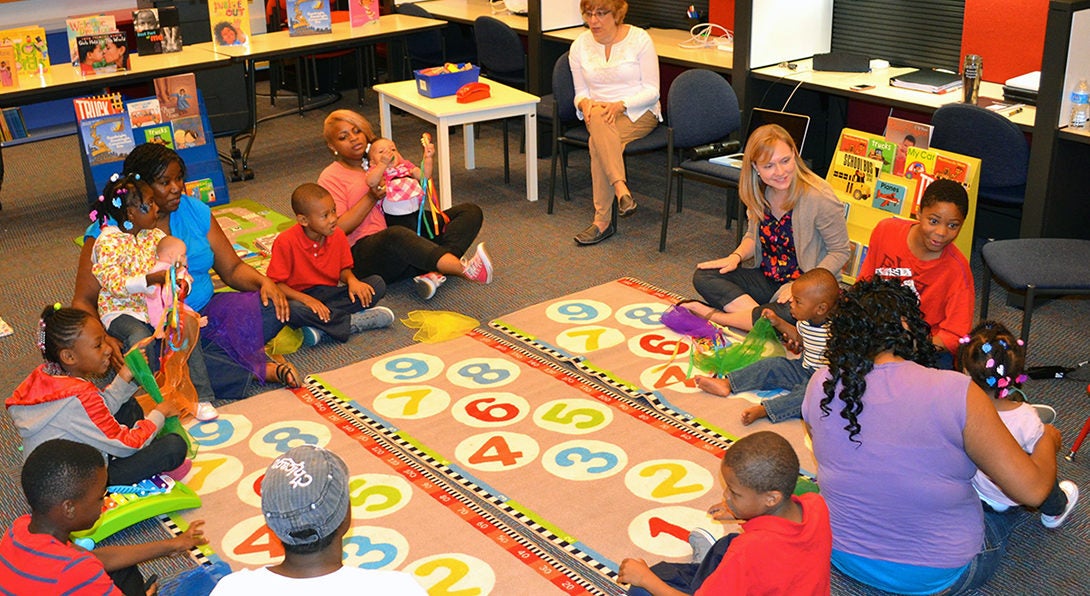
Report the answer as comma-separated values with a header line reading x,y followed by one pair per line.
x,y
854,175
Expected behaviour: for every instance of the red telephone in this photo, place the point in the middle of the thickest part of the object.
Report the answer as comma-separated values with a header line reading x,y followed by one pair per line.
x,y
473,92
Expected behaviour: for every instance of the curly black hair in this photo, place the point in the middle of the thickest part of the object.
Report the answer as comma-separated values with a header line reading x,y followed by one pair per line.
x,y
120,193
873,316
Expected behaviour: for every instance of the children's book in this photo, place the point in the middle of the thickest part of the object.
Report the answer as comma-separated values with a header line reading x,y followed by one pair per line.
x,y
203,191
919,161
922,181
177,96
160,135
308,17
103,52
31,50
853,144
14,119
98,105
851,268
951,169
188,132
149,34
106,138
890,196
854,175
89,25
5,131
906,133
230,21
361,12
9,70
144,112
883,151
171,26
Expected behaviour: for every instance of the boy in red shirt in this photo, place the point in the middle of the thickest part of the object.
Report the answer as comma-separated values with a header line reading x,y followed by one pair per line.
x,y
65,483
785,544
309,262
921,254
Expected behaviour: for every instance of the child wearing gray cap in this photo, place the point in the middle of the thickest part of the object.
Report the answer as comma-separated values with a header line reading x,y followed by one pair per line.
x,y
304,498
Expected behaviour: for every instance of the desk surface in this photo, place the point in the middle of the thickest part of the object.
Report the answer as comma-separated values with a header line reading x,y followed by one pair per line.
x,y
448,106
62,79
281,43
467,11
840,83
666,46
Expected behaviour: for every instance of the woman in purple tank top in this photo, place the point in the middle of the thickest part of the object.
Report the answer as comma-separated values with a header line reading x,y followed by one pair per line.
x,y
897,444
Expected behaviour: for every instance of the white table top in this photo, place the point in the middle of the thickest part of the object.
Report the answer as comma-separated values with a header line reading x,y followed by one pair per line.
x,y
446,107
668,49
467,11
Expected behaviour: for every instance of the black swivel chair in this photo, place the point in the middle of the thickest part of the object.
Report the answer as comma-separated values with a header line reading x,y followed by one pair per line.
x,y
435,47
702,109
1004,159
502,58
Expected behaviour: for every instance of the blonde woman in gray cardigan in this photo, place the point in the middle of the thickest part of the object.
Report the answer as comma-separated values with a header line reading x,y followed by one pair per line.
x,y
795,224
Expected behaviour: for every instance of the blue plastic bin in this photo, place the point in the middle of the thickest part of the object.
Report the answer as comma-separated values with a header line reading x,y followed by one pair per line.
x,y
446,83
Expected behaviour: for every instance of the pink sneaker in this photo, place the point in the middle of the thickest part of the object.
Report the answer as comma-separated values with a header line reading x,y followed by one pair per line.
x,y
427,284
479,268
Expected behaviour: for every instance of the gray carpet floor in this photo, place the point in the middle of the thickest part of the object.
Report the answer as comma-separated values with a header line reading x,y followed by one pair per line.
x,y
535,259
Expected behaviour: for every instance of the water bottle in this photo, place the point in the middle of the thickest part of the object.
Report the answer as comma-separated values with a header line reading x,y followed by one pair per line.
x,y
1080,104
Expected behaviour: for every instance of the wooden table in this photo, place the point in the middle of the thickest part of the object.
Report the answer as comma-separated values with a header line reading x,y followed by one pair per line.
x,y
445,112
467,11
668,49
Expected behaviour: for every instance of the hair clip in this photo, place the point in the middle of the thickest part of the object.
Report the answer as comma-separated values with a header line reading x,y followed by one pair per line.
x,y
990,381
41,336
1004,381
116,202
1022,378
1020,342
986,348
101,199
1000,369
115,177
965,339
136,177
57,306
127,225
1002,394
93,215
122,191
990,363
144,208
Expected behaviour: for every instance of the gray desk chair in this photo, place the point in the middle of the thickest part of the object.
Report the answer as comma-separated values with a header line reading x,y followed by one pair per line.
x,y
569,131
702,109
435,47
502,58
1038,267
1002,149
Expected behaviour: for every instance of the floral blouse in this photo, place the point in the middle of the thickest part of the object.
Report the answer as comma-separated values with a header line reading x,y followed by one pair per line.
x,y
780,263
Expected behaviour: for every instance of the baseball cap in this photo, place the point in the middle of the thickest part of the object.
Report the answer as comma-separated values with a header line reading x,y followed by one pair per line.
x,y
304,495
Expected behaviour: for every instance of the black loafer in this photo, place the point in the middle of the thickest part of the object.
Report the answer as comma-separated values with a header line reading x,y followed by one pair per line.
x,y
592,235
626,205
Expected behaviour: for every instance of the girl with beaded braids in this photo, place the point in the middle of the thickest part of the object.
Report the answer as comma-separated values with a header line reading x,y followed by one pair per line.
x,y
897,445
57,401
995,359
124,255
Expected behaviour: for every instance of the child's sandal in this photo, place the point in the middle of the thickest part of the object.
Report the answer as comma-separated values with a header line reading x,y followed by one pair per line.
x,y
287,376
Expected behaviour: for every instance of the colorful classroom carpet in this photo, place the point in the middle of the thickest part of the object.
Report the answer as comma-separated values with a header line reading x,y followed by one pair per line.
x,y
489,465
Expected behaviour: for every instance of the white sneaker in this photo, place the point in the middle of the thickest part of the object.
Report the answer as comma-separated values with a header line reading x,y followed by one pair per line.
x,y
1072,491
479,268
427,284
206,412
312,336
702,541
375,317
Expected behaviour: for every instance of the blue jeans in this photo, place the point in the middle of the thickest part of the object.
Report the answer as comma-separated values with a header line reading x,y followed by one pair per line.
x,y
997,532
775,373
230,379
688,577
340,307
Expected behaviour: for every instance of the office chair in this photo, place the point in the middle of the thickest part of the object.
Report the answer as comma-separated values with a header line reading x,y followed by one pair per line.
x,y
502,58
569,130
1001,147
702,109
434,47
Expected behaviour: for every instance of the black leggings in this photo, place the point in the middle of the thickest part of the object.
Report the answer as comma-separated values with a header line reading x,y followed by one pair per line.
x,y
164,453
397,252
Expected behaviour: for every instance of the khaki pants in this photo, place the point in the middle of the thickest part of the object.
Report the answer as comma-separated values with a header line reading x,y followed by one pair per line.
x,y
607,142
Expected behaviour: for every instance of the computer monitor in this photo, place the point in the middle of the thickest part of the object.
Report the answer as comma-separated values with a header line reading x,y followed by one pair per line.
x,y
796,125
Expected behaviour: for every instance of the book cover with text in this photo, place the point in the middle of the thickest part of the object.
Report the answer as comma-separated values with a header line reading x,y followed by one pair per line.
x,y
202,190
31,49
361,12
160,135
852,144
89,25
853,175
230,20
883,151
890,196
144,112
103,53
906,133
309,17
177,96
951,169
149,35
106,138
98,105
919,161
